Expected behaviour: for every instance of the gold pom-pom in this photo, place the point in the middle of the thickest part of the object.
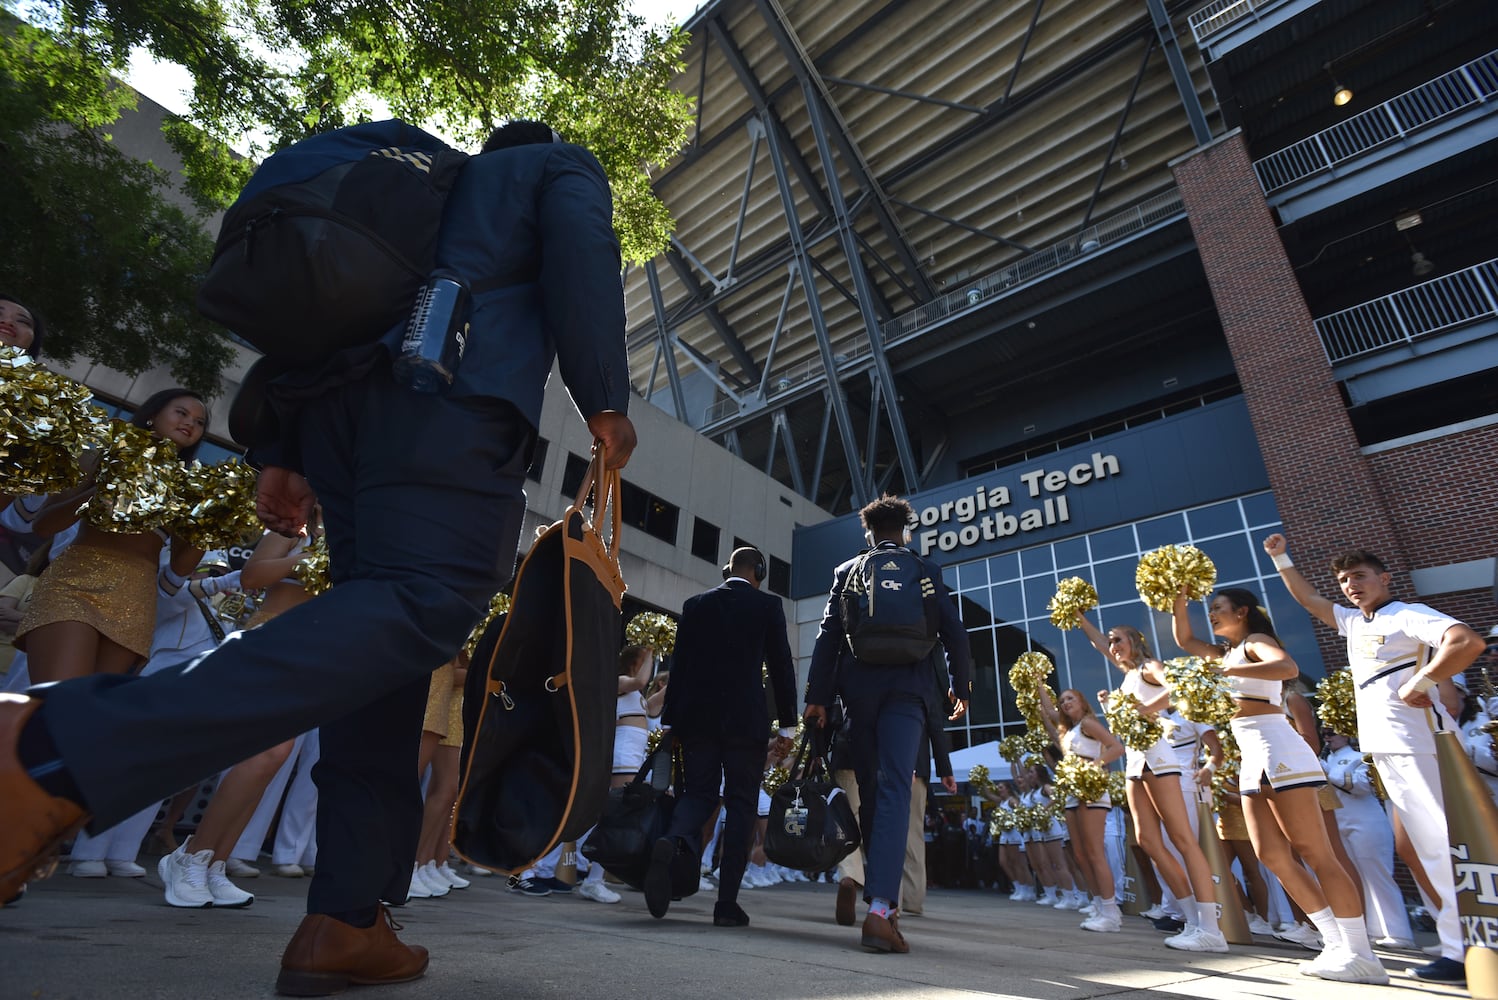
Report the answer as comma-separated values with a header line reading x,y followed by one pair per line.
x,y
219,502
499,604
774,778
1012,748
978,779
653,629
1001,820
1032,760
653,741
1082,778
1035,741
1226,775
1118,788
1337,706
1137,730
1375,779
1162,573
314,570
138,485
1074,598
1029,670
46,423
1198,691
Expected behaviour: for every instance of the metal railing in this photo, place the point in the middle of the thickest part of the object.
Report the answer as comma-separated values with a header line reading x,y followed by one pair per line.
x,y
1094,238
1443,303
1219,14
1472,83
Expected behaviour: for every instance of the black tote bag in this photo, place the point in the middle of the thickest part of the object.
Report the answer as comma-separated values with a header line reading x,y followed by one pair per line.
x,y
538,713
636,816
811,826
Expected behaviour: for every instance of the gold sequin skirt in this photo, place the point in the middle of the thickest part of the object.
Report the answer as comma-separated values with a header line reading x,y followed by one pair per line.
x,y
113,592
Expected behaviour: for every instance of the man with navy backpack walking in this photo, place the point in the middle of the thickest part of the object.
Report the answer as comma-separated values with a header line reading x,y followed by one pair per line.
x,y
422,502
888,619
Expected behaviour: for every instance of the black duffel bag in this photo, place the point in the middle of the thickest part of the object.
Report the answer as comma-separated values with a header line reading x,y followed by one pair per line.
x,y
636,816
812,825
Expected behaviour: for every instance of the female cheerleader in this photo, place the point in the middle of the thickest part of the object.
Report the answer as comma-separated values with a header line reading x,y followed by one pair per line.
x,y
1278,780
1154,792
1081,733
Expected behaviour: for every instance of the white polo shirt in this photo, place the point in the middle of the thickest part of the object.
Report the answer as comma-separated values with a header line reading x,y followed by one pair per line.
x,y
1384,651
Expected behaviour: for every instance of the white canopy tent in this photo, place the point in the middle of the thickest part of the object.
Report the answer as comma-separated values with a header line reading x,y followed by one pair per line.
x,y
986,754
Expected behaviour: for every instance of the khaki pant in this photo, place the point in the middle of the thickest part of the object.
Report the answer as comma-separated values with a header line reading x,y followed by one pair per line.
x,y
913,877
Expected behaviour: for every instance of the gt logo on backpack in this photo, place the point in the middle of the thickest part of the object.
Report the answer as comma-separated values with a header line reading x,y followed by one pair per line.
x,y
330,240
889,610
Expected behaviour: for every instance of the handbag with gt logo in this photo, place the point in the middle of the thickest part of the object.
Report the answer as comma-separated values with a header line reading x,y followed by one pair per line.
x,y
811,824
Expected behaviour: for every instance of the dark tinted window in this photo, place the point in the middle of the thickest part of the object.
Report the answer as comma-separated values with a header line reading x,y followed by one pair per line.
x,y
705,540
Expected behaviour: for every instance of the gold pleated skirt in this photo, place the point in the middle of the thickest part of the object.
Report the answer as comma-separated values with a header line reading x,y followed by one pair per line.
x,y
113,592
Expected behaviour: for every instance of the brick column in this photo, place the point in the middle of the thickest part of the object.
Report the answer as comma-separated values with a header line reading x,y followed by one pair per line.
x,y
1325,489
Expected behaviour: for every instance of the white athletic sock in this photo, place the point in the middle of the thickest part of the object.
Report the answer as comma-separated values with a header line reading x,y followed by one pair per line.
x,y
1189,911
1326,925
1206,918
1355,935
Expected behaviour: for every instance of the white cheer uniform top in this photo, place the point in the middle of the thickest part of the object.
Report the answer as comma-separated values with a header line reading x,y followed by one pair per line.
x,y
1383,652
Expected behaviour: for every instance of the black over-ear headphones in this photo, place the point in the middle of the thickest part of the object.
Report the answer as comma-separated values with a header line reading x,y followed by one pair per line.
x,y
759,569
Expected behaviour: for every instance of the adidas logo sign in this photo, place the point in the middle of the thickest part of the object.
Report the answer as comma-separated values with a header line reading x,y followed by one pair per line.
x,y
1281,767
890,565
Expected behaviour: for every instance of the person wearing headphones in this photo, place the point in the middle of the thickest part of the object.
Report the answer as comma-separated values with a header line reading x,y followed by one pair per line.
x,y
887,620
716,707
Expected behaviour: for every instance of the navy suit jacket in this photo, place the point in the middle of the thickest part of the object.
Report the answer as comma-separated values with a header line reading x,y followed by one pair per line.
x,y
531,227
726,634
834,669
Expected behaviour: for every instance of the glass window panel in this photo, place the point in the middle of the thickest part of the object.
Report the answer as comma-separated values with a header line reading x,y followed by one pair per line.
x,y
1113,542
974,609
1114,580
1046,638
949,577
1218,519
1007,604
1256,542
1158,531
1037,560
1232,557
1259,509
1070,553
973,574
1004,567
1038,593
984,706
1296,631
1079,653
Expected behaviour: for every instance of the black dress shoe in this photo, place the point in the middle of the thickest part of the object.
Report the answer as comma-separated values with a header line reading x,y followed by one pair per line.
x,y
729,915
658,877
1168,925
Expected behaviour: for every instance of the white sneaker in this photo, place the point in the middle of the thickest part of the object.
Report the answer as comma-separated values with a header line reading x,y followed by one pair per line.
x,y
1103,924
1090,910
185,878
704,885
597,892
288,871
1258,925
1354,969
226,895
1403,944
1047,898
1069,901
1018,894
121,868
88,869
479,872
236,868
436,885
453,878
418,889
1302,935
1196,939
1330,957
1154,912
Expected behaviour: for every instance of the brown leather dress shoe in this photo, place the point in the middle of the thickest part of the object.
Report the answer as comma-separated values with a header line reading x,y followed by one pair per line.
x,y
326,956
847,902
883,934
36,823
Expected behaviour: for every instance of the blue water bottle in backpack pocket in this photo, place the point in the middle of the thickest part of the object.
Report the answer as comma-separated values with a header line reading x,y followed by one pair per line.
x,y
435,336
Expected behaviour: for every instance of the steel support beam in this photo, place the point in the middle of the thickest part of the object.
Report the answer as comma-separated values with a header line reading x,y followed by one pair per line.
x,y
835,393
678,400
714,318
1190,103
1149,50
792,459
819,104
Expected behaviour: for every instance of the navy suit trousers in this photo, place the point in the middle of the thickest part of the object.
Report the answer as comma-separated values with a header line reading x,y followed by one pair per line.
x,y
739,766
887,731
423,505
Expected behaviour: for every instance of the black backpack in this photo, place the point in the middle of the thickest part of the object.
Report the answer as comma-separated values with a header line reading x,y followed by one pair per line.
x,y
889,608
330,240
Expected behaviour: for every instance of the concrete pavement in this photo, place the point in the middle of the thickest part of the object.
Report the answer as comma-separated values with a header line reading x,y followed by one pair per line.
x,y
89,939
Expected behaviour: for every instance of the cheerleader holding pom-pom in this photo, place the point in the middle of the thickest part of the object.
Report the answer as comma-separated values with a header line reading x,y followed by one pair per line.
x,y
1278,780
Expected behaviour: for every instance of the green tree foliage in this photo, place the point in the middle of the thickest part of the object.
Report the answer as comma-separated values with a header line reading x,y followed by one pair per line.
x,y
97,246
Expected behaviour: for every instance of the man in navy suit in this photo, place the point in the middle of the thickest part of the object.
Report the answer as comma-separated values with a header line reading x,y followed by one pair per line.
x,y
422,502
716,708
891,707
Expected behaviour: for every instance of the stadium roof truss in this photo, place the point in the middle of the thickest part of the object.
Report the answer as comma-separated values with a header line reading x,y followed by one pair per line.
x,y
878,200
